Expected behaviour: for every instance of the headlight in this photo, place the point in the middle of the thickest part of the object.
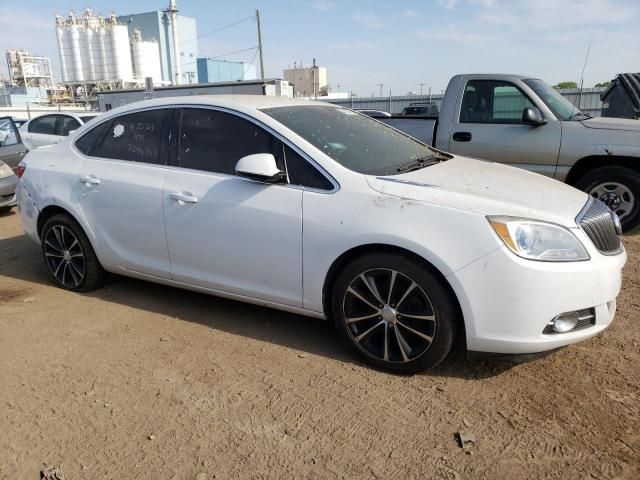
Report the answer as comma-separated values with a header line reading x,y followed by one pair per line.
x,y
5,171
536,240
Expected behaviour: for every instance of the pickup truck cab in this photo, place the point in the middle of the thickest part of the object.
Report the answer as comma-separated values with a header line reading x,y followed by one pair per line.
x,y
522,121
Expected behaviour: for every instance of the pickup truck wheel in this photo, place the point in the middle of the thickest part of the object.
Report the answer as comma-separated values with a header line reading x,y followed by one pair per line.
x,y
70,259
394,312
619,188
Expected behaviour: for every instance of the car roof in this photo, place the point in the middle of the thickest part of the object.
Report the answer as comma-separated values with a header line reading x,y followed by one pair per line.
x,y
243,103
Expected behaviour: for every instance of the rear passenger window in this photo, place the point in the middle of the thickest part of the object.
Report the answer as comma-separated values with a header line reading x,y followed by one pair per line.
x,y
214,141
135,137
301,172
66,125
45,125
87,143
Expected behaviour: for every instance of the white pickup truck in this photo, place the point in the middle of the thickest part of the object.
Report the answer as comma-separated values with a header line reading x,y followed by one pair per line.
x,y
522,121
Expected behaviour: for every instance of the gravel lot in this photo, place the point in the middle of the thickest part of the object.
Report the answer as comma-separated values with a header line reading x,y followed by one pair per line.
x,y
143,381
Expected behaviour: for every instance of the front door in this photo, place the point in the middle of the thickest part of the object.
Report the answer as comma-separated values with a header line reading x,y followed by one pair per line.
x,y
225,232
119,189
12,149
489,127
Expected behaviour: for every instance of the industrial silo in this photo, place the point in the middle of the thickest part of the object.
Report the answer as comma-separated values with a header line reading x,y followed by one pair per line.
x,y
146,58
60,37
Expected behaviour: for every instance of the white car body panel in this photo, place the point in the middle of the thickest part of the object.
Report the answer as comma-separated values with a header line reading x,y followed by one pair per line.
x,y
275,244
233,213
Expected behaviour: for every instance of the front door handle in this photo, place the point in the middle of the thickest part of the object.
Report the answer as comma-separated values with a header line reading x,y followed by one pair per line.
x,y
462,136
183,197
90,180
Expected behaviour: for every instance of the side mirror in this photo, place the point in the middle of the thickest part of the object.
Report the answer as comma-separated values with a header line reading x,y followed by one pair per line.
x,y
261,167
532,116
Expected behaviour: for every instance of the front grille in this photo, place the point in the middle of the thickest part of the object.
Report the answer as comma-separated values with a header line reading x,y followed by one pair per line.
x,y
586,319
597,222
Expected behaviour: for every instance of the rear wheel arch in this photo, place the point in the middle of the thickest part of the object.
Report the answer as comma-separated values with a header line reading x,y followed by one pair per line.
x,y
343,260
49,211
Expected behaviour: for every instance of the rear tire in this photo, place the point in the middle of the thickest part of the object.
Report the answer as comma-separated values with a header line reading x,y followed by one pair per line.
x,y
619,188
394,312
69,256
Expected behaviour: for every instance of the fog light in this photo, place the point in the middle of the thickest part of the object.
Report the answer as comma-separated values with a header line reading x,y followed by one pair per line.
x,y
565,322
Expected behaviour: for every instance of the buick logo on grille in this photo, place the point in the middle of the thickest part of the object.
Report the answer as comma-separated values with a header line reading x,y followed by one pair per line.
x,y
616,223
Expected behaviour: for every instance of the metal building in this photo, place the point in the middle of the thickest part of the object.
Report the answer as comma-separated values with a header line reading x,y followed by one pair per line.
x,y
210,70
164,27
273,87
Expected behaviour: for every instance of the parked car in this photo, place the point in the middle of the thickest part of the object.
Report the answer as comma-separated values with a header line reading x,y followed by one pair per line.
x,y
522,121
373,113
420,109
52,128
315,209
12,151
18,122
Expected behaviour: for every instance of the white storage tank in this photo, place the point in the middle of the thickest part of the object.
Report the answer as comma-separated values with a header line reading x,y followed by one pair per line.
x,y
146,58
63,50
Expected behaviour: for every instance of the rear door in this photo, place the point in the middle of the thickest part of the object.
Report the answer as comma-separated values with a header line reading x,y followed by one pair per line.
x,y
488,125
119,189
12,150
40,131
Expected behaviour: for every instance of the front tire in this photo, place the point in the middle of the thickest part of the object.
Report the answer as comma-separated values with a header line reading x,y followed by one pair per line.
x,y
394,312
70,259
619,188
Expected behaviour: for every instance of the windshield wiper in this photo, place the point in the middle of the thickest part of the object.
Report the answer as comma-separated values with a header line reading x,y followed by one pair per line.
x,y
421,163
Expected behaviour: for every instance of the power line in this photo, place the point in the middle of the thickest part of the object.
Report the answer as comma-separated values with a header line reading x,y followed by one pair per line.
x,y
225,54
219,29
250,63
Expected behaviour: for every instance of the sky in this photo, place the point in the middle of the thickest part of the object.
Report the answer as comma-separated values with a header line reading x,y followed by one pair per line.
x,y
399,44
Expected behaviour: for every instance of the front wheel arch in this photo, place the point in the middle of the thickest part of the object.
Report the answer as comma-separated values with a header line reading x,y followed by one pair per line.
x,y
355,252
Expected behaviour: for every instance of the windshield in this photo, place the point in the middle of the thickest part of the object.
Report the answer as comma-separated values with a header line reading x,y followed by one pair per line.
x,y
562,108
355,141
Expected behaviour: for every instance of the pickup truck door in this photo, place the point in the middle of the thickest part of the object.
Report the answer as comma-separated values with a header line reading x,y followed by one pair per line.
x,y
488,125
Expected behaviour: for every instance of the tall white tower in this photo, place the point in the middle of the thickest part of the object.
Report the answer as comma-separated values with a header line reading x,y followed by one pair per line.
x,y
177,73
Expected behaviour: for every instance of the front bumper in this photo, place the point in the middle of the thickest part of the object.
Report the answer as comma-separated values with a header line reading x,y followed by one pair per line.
x,y
507,301
8,191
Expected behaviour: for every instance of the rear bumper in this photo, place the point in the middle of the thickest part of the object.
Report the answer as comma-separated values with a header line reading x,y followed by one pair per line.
x,y
507,301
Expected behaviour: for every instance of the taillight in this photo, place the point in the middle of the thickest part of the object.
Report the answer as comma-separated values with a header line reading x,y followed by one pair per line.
x,y
20,170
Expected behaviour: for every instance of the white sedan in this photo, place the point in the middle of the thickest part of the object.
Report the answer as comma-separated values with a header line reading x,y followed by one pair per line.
x,y
52,127
318,210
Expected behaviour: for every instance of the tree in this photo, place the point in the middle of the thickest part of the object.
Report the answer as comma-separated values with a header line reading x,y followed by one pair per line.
x,y
566,85
602,84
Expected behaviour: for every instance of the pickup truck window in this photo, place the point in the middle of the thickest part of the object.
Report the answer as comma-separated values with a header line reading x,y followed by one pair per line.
x,y
492,101
355,141
562,108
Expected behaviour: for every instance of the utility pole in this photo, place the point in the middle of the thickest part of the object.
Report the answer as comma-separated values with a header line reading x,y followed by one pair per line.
x,y
380,85
260,46
429,94
421,85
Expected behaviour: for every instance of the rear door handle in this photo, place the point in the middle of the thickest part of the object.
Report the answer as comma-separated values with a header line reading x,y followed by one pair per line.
x,y
183,198
90,180
462,136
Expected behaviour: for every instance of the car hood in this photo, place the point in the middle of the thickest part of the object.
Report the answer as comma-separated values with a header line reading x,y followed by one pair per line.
x,y
486,188
613,124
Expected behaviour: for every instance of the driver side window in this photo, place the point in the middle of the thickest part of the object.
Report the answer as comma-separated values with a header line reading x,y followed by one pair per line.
x,y
491,101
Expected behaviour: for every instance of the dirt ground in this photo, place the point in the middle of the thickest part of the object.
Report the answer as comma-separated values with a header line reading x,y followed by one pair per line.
x,y
143,381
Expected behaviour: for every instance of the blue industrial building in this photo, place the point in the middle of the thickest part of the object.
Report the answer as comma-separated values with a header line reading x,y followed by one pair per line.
x,y
210,71
157,25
